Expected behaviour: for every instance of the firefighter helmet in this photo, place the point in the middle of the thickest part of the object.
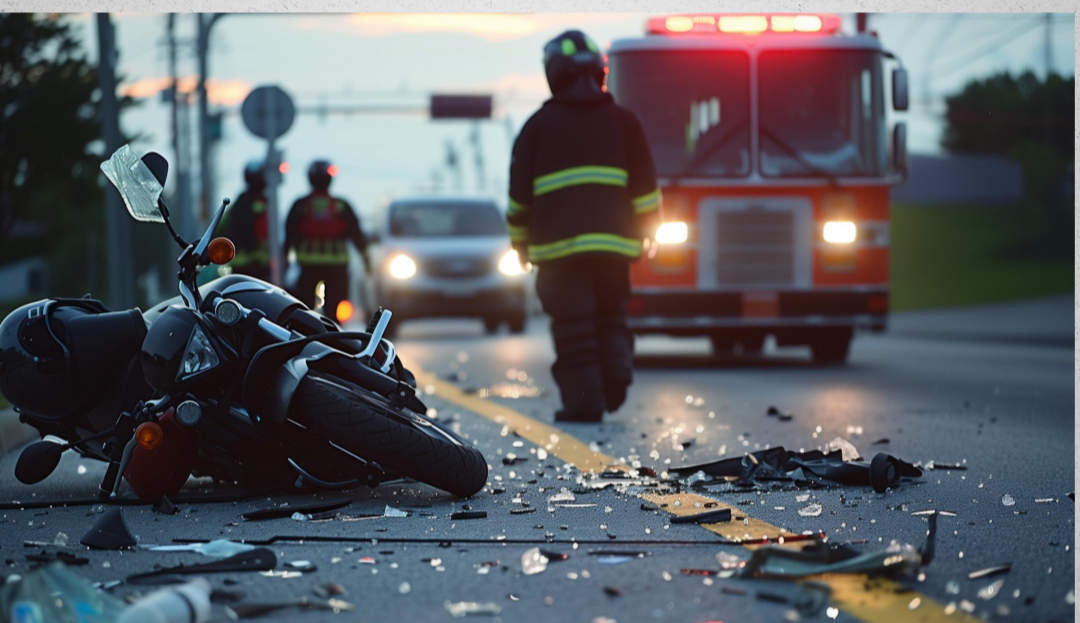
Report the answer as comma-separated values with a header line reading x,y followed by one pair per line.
x,y
570,57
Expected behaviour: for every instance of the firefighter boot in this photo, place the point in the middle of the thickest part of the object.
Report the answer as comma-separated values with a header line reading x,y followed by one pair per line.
x,y
582,393
616,345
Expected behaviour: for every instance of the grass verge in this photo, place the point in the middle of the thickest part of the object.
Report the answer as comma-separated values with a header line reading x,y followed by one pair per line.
x,y
953,255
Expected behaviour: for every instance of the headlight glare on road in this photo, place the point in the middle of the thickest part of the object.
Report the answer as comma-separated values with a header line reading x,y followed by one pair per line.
x,y
402,267
839,232
509,264
671,233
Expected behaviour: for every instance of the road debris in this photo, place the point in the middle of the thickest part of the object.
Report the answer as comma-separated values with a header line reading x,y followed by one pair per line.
x,y
838,464
460,609
187,603
469,515
292,505
820,557
990,571
533,562
220,548
32,597
258,559
110,531
716,516
249,610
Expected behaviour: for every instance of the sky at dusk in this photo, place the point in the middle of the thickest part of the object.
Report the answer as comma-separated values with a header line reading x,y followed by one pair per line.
x,y
398,59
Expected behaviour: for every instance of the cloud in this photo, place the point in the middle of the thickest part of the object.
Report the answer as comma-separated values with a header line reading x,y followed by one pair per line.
x,y
221,92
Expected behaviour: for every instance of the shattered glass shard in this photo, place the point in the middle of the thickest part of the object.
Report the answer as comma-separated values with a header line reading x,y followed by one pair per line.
x,y
1007,500
812,510
533,562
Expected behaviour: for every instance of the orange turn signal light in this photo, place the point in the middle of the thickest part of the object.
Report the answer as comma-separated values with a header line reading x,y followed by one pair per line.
x,y
344,311
149,435
221,250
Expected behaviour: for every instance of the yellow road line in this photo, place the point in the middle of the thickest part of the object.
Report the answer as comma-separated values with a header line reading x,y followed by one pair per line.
x,y
873,600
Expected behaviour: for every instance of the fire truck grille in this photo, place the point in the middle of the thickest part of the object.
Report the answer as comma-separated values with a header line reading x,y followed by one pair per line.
x,y
755,248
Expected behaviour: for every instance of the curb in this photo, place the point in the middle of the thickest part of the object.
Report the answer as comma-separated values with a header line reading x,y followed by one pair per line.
x,y
13,433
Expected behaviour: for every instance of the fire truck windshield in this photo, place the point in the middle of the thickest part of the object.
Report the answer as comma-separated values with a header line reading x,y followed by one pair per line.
x,y
821,113
695,106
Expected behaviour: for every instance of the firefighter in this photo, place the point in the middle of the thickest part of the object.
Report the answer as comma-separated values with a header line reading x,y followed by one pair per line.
x,y
245,224
583,197
318,227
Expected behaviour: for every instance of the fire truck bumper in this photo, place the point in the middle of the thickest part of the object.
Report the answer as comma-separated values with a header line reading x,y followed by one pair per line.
x,y
701,313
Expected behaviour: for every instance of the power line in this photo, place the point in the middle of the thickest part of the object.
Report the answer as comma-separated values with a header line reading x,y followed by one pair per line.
x,y
1010,36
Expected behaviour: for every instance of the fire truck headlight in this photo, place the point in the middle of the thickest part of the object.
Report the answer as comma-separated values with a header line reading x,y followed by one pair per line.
x,y
671,233
402,267
839,232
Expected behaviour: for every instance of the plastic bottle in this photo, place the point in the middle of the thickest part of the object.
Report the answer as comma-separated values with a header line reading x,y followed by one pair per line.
x,y
187,603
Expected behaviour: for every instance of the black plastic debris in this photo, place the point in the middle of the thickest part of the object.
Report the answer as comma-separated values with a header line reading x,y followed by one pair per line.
x,y
328,590
67,558
250,610
306,506
990,571
931,536
716,516
880,442
165,506
819,557
110,531
522,511
469,515
777,413
946,466
258,559
813,466
613,591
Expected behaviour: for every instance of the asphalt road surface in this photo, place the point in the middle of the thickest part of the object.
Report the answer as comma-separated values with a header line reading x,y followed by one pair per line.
x,y
990,422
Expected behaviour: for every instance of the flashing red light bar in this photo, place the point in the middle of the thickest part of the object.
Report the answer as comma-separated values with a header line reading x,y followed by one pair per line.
x,y
332,170
744,24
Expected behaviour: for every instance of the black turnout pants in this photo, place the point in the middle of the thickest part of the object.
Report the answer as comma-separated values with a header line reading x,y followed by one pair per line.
x,y
336,279
586,299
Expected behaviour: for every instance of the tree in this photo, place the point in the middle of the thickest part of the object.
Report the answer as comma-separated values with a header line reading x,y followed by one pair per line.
x,y
50,148
1028,120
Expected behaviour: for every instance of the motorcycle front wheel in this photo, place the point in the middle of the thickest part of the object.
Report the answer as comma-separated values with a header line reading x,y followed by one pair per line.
x,y
367,425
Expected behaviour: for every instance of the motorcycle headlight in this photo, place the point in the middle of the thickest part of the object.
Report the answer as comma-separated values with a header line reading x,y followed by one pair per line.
x,y
509,264
199,356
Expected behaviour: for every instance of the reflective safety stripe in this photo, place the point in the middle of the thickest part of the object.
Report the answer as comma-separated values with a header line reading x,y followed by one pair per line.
x,y
568,47
518,233
647,203
584,243
258,207
579,175
516,208
322,252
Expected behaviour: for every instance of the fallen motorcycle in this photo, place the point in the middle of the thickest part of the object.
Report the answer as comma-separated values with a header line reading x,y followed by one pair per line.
x,y
234,380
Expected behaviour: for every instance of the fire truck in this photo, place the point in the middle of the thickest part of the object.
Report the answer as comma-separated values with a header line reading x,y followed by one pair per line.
x,y
770,140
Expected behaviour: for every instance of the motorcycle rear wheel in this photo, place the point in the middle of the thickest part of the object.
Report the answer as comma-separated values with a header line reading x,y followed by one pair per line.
x,y
399,440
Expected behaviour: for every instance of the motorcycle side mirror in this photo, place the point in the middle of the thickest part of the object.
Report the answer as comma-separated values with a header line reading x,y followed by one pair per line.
x,y
37,461
158,165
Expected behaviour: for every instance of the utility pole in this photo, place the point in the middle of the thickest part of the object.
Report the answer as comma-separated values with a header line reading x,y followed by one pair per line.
x,y
1049,51
117,227
179,167
205,23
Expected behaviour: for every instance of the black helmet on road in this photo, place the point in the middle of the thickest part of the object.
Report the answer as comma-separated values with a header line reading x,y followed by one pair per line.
x,y
255,174
570,57
320,173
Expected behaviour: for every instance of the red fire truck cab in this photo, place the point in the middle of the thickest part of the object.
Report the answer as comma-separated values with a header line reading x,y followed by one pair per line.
x,y
770,140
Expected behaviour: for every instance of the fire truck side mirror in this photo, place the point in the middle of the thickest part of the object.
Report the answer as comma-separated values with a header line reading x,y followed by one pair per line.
x,y
899,89
899,148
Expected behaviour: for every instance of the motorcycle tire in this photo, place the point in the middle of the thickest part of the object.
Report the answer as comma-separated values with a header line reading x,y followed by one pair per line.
x,y
399,440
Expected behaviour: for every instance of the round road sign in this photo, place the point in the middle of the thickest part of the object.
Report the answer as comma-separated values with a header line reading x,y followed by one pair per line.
x,y
268,112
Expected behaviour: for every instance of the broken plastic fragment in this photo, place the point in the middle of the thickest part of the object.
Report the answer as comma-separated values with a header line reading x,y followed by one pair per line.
x,y
60,540
989,571
220,548
533,562
991,590
394,512
847,450
463,608
780,562
715,516
110,531
469,515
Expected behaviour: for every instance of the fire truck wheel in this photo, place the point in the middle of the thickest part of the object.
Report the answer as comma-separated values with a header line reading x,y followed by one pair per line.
x,y
830,351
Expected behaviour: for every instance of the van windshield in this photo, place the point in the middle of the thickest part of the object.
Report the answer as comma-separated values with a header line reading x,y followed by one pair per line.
x,y
439,219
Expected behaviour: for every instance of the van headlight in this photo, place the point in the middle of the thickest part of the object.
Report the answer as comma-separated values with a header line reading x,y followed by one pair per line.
x,y
510,265
402,267
839,232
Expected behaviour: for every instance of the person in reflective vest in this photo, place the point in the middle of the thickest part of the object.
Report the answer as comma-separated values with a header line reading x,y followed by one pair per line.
x,y
318,227
245,224
583,197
